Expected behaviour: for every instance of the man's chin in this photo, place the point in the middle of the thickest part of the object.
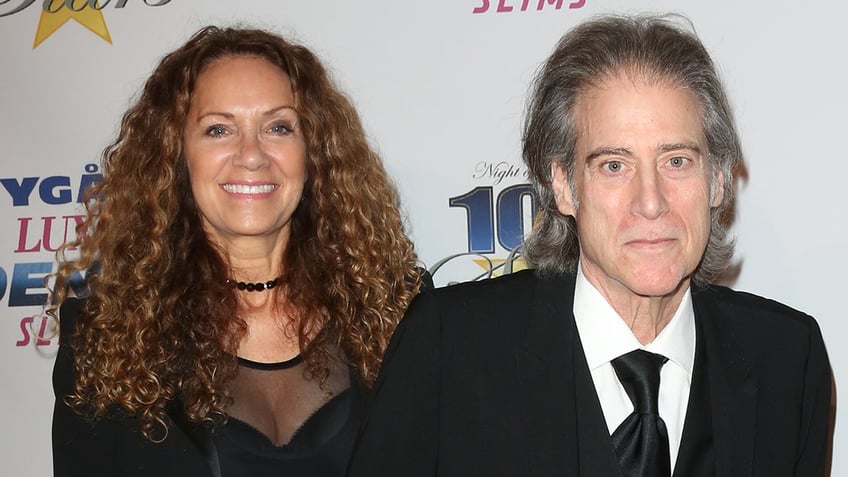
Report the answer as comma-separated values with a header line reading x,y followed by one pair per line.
x,y
657,286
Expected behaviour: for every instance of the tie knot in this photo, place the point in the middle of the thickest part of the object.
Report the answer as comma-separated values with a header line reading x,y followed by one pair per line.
x,y
639,373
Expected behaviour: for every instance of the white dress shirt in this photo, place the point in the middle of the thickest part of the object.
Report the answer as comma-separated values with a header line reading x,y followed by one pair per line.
x,y
605,336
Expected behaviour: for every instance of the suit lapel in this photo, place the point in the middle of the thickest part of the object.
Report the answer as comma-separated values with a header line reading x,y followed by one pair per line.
x,y
597,457
733,389
697,455
545,373
564,425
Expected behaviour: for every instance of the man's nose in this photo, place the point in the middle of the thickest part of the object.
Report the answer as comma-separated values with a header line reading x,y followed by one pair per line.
x,y
650,200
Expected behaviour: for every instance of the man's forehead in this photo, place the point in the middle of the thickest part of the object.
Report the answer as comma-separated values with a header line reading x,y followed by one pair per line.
x,y
622,113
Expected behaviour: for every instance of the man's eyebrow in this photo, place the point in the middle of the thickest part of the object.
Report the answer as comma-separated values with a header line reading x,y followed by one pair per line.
x,y
607,151
678,146
623,151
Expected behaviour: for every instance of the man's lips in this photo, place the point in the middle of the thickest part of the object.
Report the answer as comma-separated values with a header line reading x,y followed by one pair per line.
x,y
650,243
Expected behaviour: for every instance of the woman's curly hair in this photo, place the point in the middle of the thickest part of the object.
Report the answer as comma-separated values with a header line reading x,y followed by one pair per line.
x,y
160,324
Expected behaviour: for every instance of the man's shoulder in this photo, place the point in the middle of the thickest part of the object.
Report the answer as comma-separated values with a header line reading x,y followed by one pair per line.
x,y
522,287
497,302
744,310
523,281
745,301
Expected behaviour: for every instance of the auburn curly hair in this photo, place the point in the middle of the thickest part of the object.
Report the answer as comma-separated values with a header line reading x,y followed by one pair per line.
x,y
160,323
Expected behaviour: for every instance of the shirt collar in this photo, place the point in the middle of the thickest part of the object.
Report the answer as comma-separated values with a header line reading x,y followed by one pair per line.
x,y
605,336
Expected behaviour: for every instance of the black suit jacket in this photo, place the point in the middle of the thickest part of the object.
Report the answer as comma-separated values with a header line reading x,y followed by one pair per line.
x,y
113,446
489,379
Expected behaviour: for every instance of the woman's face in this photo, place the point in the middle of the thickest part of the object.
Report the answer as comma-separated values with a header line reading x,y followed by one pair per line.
x,y
245,150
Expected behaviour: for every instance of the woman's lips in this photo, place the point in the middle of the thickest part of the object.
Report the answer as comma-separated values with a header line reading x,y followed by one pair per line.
x,y
249,189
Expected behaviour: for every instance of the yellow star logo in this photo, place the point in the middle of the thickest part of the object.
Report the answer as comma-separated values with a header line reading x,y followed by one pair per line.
x,y
91,18
497,265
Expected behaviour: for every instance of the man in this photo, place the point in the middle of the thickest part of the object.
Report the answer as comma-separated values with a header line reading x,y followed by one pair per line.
x,y
614,356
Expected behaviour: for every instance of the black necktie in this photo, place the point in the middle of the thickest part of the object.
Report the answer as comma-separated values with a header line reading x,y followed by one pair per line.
x,y
641,441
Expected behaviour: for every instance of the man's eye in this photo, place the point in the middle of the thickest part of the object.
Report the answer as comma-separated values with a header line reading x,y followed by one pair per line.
x,y
678,162
613,166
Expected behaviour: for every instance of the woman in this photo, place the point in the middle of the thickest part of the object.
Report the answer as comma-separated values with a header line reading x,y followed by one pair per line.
x,y
246,265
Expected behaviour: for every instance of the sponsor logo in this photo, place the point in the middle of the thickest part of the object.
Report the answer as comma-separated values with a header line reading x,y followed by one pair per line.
x,y
56,13
516,6
498,213
38,237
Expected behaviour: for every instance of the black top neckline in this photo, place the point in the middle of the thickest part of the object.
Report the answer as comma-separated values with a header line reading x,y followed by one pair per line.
x,y
290,363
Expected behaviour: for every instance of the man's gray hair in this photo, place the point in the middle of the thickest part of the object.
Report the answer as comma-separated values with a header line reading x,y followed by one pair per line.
x,y
649,48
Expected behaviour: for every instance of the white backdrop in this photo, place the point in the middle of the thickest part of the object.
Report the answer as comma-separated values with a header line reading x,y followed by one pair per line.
x,y
441,91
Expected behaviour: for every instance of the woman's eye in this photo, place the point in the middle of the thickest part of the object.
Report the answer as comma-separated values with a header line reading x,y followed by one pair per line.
x,y
281,128
216,130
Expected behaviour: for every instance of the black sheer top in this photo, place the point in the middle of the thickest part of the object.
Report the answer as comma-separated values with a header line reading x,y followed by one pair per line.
x,y
284,424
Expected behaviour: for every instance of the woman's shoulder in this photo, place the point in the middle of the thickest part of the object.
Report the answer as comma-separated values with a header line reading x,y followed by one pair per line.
x,y
69,313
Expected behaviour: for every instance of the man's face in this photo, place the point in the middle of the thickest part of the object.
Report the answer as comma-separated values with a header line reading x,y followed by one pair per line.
x,y
642,184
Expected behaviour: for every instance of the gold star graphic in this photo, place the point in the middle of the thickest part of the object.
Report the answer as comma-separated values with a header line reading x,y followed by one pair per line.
x,y
91,18
497,265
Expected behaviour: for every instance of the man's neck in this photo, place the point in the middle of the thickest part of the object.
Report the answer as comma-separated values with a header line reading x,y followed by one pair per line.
x,y
646,316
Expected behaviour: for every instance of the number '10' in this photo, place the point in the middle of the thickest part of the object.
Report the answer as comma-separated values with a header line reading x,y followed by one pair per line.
x,y
480,209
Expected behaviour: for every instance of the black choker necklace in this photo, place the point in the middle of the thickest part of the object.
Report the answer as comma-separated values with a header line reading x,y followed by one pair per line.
x,y
258,286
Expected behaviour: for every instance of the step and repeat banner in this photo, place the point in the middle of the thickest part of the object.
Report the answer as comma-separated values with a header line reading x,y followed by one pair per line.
x,y
441,86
